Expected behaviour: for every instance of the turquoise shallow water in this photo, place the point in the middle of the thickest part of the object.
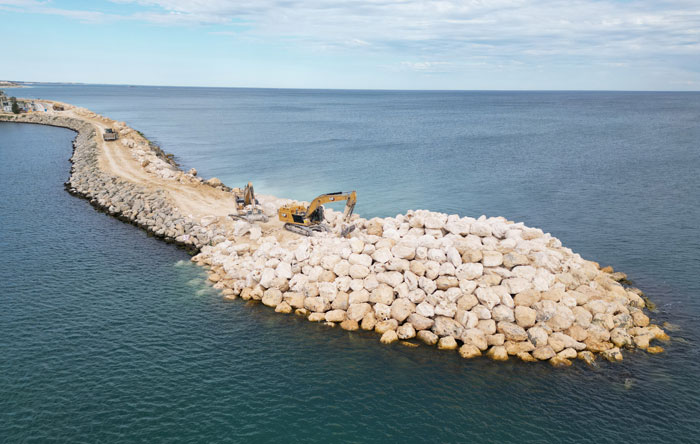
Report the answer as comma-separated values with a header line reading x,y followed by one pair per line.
x,y
109,335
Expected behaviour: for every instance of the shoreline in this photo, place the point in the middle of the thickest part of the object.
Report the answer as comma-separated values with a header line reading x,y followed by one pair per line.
x,y
482,286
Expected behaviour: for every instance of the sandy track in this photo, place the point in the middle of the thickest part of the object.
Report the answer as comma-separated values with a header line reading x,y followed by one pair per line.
x,y
191,199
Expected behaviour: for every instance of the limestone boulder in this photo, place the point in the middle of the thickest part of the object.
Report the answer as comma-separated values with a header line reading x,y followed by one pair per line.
x,y
445,326
620,338
488,326
383,294
476,337
487,297
272,297
538,336
445,308
516,285
358,271
420,322
382,255
427,337
562,319
492,259
527,298
335,316
357,311
401,308
369,321
467,302
317,304
502,313
525,316
383,326
389,337
512,331
406,331
543,353
447,343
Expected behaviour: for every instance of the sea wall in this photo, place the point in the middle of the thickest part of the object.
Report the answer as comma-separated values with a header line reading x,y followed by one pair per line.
x,y
146,208
477,285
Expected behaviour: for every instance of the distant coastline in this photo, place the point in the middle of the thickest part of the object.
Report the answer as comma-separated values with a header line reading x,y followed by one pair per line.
x,y
9,84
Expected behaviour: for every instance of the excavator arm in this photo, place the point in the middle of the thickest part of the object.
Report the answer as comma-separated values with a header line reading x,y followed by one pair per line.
x,y
350,197
247,197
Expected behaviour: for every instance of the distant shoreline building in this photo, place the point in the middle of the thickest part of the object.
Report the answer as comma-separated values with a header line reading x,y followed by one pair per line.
x,y
25,106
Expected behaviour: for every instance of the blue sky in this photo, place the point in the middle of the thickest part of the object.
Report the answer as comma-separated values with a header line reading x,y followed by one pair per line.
x,y
385,44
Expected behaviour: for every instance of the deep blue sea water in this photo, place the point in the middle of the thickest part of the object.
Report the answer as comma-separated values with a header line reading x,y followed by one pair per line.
x,y
109,335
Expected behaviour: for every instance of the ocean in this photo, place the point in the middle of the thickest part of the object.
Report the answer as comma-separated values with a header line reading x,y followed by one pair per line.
x,y
109,335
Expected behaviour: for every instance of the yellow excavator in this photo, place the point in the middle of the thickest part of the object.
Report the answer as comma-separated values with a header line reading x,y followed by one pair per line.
x,y
306,220
247,206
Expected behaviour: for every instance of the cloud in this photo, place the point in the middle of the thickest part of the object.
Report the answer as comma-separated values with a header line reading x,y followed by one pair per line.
x,y
500,27
427,67
604,32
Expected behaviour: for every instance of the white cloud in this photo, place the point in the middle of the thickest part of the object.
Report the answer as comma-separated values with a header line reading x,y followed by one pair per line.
x,y
500,27
457,32
427,67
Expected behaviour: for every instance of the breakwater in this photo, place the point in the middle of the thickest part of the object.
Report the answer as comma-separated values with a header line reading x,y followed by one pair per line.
x,y
484,285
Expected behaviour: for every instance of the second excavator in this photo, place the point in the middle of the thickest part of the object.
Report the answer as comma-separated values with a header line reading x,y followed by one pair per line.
x,y
247,206
306,220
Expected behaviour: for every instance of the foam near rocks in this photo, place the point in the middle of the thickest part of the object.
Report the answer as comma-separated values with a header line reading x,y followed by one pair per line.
x,y
479,286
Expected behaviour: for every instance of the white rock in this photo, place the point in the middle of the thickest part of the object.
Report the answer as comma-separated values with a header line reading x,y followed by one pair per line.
x,y
434,222
342,268
255,232
401,308
358,311
469,271
481,229
267,277
454,257
404,251
445,308
359,271
425,309
437,255
382,255
284,270
516,285
382,311
329,261
492,259
427,285
391,278
481,312
360,259
327,290
453,294
502,313
488,297
240,227
357,245
371,282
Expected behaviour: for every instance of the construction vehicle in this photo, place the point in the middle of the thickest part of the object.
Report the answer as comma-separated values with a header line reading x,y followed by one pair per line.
x,y
247,206
109,134
307,220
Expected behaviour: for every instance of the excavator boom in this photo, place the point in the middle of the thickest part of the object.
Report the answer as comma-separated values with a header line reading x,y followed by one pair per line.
x,y
305,220
246,199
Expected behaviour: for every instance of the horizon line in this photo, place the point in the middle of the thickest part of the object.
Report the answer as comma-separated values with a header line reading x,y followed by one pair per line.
x,y
27,82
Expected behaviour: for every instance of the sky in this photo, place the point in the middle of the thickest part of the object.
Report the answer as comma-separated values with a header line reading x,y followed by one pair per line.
x,y
360,44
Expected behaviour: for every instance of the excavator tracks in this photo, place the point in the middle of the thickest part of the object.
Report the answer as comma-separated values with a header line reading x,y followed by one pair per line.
x,y
305,231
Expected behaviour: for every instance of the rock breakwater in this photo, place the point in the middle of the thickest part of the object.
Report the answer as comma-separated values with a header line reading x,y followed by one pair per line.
x,y
481,286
